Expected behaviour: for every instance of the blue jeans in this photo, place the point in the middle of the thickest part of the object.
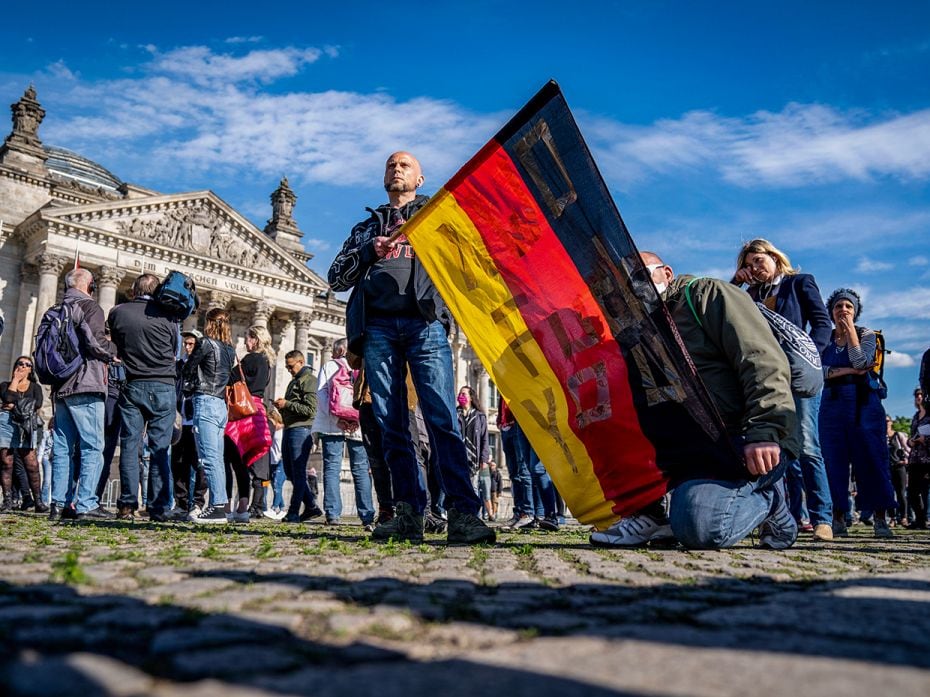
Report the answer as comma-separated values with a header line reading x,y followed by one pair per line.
x,y
146,407
46,465
332,466
517,453
277,485
296,453
210,416
712,514
855,434
544,504
78,423
391,346
810,465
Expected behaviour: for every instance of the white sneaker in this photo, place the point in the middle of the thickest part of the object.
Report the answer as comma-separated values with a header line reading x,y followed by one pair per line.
x,y
634,531
236,517
195,511
271,513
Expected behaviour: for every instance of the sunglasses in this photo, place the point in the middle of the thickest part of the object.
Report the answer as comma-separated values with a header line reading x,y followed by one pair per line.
x,y
23,364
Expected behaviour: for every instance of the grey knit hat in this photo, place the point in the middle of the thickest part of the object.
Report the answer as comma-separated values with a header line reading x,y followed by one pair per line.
x,y
845,294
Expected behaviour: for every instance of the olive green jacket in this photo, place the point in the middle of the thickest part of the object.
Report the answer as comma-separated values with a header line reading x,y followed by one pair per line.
x,y
300,399
738,358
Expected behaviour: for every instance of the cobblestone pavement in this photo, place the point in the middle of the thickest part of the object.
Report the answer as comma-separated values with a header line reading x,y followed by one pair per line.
x,y
272,609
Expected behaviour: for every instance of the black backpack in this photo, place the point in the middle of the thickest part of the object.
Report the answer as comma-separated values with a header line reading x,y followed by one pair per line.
x,y
177,295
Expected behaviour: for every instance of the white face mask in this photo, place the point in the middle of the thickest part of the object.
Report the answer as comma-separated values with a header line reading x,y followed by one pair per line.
x,y
660,287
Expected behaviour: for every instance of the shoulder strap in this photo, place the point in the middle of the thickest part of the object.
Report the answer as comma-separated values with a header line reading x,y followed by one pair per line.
x,y
691,302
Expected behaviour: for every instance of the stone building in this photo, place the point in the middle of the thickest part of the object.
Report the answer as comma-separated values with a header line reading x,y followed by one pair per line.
x,y
56,206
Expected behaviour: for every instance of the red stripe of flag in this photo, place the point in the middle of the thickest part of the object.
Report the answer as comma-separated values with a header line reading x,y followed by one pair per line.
x,y
566,321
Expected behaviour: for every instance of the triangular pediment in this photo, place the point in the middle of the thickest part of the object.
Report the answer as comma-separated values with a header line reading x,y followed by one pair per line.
x,y
198,224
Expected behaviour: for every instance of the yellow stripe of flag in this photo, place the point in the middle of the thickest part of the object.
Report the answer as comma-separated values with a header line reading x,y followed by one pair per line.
x,y
453,253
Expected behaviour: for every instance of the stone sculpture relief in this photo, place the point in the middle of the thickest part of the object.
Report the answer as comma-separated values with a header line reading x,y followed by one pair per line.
x,y
198,229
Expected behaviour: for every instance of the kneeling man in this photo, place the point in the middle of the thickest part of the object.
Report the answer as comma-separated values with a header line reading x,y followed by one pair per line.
x,y
747,375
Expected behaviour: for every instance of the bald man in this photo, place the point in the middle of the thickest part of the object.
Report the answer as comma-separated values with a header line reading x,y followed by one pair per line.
x,y
396,318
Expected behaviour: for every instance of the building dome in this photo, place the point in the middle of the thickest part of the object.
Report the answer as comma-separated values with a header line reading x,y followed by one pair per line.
x,y
72,166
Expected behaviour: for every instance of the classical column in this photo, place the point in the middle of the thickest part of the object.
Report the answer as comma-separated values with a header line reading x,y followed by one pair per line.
x,y
484,389
218,300
50,266
108,280
282,339
302,332
25,311
262,313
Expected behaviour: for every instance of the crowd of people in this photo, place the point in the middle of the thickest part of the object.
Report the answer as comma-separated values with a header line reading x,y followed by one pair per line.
x,y
201,439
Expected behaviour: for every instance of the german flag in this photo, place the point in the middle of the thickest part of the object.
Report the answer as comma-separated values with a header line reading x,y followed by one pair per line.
x,y
528,250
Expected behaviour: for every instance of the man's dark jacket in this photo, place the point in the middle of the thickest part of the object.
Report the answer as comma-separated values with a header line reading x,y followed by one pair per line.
x,y
96,349
353,264
146,340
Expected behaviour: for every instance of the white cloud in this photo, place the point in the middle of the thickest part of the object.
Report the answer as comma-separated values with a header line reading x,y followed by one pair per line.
x,y
919,260
195,111
867,265
202,66
244,39
802,144
896,359
913,303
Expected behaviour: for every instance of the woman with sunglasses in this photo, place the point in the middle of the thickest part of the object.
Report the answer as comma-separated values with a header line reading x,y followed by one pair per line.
x,y
17,437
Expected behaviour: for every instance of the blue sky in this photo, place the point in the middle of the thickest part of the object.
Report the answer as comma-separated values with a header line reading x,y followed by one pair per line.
x,y
713,123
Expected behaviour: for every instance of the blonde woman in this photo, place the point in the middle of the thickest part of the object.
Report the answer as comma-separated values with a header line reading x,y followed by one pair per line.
x,y
795,296
248,440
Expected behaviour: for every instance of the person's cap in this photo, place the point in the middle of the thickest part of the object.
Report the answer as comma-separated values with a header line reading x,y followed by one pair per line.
x,y
845,294
192,332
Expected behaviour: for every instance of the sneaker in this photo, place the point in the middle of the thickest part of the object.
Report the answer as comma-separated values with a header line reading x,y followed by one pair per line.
x,y
780,529
157,517
125,513
467,528
433,524
839,528
311,513
805,526
178,515
633,531
194,512
523,521
329,521
98,513
291,518
41,507
881,528
211,515
7,505
549,524
406,525
68,513
237,517
385,515
256,513
54,513
823,532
